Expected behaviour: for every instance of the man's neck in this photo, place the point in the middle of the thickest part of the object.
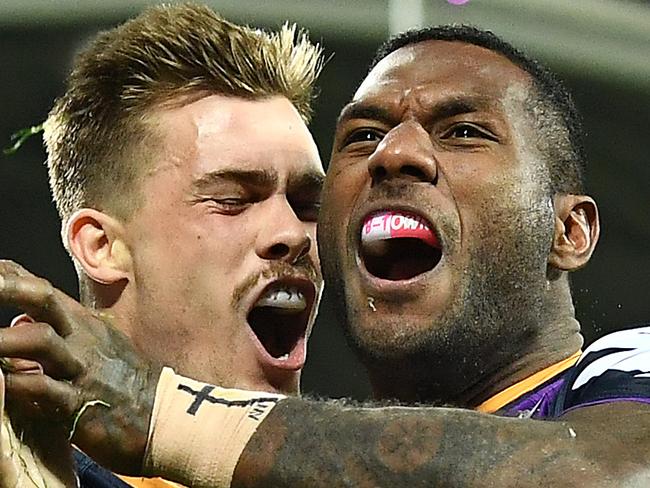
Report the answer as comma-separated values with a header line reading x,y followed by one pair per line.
x,y
406,387
555,348
463,382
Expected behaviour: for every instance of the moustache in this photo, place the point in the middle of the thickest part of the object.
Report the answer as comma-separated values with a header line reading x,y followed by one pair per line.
x,y
394,189
304,268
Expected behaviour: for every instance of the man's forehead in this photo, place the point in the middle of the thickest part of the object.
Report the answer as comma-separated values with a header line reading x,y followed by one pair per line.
x,y
443,67
216,113
236,131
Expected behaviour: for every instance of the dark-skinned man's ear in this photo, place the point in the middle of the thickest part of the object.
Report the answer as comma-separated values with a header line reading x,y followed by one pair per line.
x,y
577,228
96,242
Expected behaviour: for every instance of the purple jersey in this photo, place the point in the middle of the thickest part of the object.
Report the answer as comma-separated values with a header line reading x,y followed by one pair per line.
x,y
614,368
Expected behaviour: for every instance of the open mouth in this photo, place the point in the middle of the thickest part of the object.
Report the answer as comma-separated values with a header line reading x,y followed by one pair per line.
x,y
279,319
398,246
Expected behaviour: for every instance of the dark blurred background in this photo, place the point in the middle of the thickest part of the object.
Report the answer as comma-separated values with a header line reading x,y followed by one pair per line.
x,y
600,47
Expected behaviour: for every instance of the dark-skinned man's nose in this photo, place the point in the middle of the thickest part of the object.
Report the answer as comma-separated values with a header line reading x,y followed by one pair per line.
x,y
284,237
405,152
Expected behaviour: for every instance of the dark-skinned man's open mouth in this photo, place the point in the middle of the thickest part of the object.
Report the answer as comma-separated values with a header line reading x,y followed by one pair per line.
x,y
398,245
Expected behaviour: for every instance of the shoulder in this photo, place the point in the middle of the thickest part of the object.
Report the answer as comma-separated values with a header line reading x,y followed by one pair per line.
x,y
625,350
616,367
638,337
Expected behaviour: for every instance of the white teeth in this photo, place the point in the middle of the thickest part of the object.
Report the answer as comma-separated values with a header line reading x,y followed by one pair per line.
x,y
284,357
290,299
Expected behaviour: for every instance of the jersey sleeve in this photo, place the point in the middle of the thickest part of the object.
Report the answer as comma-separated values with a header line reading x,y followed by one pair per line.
x,y
614,368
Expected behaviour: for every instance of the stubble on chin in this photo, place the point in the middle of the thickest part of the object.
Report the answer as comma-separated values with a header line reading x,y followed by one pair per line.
x,y
491,316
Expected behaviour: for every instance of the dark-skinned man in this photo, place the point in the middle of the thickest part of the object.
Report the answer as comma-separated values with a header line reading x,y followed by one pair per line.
x,y
453,212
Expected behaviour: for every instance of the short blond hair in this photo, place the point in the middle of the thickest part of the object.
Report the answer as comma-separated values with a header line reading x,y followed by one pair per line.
x,y
95,130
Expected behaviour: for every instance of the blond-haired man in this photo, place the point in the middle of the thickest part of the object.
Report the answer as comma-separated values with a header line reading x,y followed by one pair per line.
x,y
188,186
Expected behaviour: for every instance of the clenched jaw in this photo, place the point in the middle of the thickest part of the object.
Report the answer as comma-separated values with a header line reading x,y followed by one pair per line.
x,y
397,245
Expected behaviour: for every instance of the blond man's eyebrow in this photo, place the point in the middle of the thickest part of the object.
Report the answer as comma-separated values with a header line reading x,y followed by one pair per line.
x,y
254,177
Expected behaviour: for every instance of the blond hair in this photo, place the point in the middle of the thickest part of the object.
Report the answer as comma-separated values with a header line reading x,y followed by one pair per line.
x,y
94,133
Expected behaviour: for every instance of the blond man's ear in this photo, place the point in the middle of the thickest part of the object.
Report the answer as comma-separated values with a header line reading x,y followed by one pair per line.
x,y
96,242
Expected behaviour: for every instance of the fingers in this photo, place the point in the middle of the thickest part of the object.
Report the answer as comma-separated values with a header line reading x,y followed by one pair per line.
x,y
23,365
39,342
41,397
26,366
36,296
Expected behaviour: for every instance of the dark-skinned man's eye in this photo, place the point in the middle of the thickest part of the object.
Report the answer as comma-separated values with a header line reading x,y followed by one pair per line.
x,y
468,131
363,135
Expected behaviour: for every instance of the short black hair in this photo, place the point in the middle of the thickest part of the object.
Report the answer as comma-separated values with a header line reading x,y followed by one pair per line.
x,y
561,134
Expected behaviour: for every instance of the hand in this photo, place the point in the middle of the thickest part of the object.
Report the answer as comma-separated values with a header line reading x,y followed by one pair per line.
x,y
45,463
93,381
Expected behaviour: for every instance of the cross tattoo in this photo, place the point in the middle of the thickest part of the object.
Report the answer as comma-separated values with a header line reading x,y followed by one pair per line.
x,y
203,395
200,397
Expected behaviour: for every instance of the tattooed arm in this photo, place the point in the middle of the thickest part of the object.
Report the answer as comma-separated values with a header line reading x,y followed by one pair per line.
x,y
317,444
312,444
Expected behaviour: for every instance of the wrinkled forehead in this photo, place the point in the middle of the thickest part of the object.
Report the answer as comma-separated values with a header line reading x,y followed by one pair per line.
x,y
444,69
218,133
